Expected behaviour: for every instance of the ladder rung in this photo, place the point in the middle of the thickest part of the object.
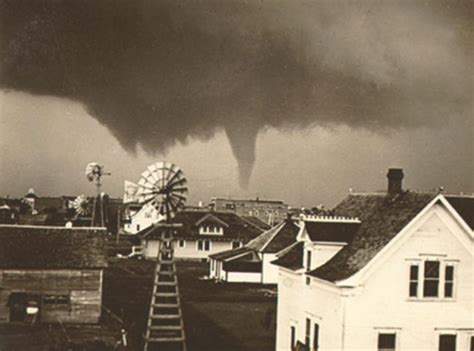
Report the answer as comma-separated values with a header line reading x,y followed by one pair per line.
x,y
165,316
165,327
165,339
167,305
165,294
165,272
165,283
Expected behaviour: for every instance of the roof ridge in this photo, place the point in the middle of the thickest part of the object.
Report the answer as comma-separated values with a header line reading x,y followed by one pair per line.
x,y
277,230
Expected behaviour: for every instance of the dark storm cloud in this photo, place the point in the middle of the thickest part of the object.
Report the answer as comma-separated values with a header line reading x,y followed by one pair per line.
x,y
159,72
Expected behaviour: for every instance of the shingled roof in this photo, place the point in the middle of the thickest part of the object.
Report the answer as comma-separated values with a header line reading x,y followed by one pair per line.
x,y
257,222
273,240
223,255
464,206
40,247
284,237
331,231
382,218
237,228
292,258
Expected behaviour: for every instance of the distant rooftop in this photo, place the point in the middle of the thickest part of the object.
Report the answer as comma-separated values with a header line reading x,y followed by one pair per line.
x,y
247,200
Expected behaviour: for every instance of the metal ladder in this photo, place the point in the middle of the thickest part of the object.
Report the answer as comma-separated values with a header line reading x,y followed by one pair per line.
x,y
165,327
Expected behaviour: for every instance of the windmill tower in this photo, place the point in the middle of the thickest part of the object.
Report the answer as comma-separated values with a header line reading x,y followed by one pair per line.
x,y
94,173
163,186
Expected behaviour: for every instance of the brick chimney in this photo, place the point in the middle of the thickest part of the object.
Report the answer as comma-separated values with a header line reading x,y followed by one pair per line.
x,y
395,178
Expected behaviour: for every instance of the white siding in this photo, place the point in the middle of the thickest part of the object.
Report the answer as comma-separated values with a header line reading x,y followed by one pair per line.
x,y
297,301
243,277
320,253
190,249
351,318
150,248
270,271
387,291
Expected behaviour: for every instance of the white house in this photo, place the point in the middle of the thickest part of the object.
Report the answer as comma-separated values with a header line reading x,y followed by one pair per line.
x,y
400,278
203,233
252,262
141,217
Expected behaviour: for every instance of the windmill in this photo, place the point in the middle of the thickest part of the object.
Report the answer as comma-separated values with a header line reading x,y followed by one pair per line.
x,y
94,173
80,205
163,186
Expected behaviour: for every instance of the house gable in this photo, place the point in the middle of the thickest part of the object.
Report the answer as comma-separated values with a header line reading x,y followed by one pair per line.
x,y
382,218
436,236
437,220
210,219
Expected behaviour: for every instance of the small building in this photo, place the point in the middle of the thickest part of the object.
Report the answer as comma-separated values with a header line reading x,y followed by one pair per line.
x,y
252,262
140,217
203,233
388,271
269,211
51,274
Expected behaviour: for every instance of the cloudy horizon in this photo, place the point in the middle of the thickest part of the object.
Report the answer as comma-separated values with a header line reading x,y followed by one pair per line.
x,y
296,101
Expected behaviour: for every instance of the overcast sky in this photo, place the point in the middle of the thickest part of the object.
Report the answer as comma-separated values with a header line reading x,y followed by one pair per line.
x,y
293,100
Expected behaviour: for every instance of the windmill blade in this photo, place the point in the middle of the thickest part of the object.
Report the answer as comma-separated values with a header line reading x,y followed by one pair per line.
x,y
181,197
153,171
169,171
146,199
175,176
182,190
177,182
174,205
143,183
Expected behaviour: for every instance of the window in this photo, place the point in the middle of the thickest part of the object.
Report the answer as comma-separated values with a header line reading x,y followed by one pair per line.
x,y
316,337
138,227
447,342
308,280
235,244
308,260
56,299
203,245
414,280
386,342
307,338
292,337
448,281
181,243
431,279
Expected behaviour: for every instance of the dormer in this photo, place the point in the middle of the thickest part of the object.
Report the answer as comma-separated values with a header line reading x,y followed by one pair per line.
x,y
211,225
324,237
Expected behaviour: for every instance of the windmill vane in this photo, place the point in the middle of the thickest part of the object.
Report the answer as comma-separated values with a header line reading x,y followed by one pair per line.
x,y
163,186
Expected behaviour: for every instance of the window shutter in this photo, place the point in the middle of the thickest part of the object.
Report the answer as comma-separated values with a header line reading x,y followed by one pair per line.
x,y
448,281
413,289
